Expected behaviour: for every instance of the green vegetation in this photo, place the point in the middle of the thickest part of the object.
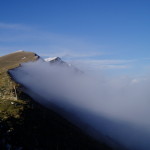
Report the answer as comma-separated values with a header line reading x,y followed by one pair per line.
x,y
10,104
12,101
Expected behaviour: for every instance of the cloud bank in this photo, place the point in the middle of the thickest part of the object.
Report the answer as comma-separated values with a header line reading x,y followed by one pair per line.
x,y
114,109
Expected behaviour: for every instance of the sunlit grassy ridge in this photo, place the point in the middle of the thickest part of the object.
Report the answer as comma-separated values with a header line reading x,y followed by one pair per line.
x,y
14,59
9,90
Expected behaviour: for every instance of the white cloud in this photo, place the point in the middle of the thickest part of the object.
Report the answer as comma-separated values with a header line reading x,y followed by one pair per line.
x,y
116,107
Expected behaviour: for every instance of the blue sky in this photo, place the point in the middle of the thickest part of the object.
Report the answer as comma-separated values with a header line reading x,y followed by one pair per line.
x,y
106,34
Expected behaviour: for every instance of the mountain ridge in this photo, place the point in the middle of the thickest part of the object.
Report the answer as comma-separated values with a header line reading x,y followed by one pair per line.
x,y
19,112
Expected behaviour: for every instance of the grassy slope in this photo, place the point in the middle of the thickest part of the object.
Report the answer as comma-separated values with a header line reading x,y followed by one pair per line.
x,y
14,59
28,125
9,104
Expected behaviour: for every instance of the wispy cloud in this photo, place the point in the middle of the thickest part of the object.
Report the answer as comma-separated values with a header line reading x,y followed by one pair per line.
x,y
47,43
78,50
13,26
108,61
146,58
71,55
113,66
105,63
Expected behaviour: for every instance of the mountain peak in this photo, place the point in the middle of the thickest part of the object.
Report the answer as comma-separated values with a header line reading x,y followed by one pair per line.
x,y
52,59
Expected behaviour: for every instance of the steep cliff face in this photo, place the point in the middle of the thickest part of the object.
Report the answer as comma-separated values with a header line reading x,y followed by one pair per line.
x,y
25,124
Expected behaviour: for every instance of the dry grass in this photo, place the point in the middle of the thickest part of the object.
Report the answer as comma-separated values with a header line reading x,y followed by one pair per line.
x,y
14,59
9,103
